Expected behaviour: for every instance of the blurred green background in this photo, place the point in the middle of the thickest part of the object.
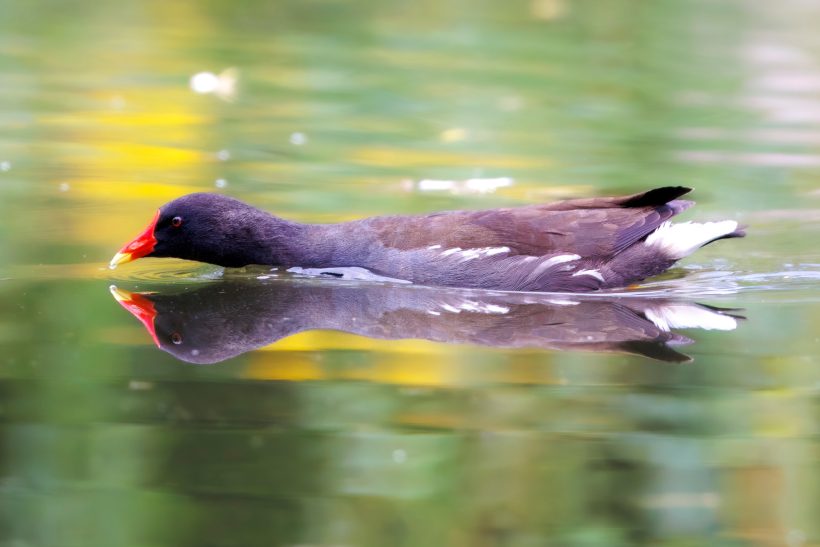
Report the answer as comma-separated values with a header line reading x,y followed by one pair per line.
x,y
329,110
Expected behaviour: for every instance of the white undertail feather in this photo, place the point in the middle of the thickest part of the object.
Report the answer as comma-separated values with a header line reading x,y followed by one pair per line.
x,y
687,316
682,239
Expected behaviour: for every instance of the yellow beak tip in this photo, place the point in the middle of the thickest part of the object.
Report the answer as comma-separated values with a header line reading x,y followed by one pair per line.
x,y
118,259
119,294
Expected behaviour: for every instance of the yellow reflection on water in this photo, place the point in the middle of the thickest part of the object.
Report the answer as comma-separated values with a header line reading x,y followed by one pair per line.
x,y
384,156
401,362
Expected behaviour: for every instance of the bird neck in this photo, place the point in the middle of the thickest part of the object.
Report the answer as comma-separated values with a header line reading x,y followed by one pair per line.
x,y
310,245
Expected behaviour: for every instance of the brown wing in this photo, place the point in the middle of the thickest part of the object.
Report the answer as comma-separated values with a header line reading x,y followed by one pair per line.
x,y
588,227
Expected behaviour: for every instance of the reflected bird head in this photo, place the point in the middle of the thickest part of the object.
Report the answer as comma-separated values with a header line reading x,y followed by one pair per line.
x,y
217,321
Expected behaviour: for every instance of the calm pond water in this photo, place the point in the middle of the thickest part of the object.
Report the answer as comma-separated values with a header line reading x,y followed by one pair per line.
x,y
347,414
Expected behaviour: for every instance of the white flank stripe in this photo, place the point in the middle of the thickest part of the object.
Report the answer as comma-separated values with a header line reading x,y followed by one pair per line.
x,y
680,240
470,254
560,259
550,262
594,273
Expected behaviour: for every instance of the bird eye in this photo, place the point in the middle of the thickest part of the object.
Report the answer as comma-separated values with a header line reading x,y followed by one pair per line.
x,y
176,222
176,338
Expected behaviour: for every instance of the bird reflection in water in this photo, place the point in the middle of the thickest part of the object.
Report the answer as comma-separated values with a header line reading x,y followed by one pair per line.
x,y
221,320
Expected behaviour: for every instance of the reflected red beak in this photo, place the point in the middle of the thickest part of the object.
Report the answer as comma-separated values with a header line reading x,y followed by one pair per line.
x,y
140,307
142,245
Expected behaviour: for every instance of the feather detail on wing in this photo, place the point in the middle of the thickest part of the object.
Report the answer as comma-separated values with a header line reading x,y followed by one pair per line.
x,y
592,228
557,271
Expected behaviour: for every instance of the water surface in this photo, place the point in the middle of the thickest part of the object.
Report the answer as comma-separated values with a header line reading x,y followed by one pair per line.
x,y
324,111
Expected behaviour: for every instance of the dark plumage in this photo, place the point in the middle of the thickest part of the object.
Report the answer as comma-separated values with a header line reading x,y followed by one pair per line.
x,y
222,320
573,245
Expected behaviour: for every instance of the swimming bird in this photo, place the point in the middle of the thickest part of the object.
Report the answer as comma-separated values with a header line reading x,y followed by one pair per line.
x,y
217,321
575,245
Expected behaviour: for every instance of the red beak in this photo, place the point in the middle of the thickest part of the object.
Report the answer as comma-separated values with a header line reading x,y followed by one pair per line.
x,y
141,307
142,245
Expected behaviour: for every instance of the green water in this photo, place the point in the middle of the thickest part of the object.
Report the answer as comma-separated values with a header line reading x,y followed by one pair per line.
x,y
333,110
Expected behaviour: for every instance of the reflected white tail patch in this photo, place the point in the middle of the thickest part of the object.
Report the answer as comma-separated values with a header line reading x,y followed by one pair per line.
x,y
682,239
687,316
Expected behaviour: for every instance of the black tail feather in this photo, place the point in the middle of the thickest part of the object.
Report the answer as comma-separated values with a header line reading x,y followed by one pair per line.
x,y
654,350
740,232
656,196
731,312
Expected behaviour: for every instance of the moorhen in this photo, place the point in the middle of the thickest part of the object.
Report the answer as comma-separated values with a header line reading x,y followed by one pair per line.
x,y
574,245
217,321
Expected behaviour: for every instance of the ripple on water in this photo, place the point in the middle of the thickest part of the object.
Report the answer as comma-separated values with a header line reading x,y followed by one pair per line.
x,y
683,283
719,283
169,271
166,271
